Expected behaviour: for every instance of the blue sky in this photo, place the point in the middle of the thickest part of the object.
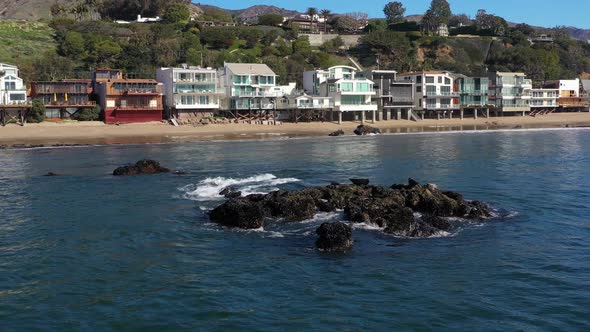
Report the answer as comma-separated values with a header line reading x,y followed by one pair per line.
x,y
535,12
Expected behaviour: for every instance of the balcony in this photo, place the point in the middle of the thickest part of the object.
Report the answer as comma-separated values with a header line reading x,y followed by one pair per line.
x,y
197,92
358,107
196,106
441,106
253,107
315,106
70,103
140,91
257,94
441,94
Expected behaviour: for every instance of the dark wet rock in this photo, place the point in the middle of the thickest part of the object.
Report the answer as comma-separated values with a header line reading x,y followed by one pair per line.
x,y
240,213
180,173
411,210
230,192
360,182
51,174
335,236
412,183
366,130
144,166
338,132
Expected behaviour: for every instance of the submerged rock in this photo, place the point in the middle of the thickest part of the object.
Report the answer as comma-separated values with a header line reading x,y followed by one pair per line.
x,y
360,182
366,130
144,166
335,236
51,174
338,132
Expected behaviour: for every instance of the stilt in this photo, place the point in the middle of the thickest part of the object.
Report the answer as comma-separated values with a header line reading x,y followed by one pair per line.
x,y
409,114
340,117
363,115
422,115
3,117
451,114
399,114
379,115
387,115
438,115
475,113
461,113
523,113
487,113
374,116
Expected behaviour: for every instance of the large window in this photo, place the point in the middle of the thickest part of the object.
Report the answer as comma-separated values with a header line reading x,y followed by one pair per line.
x,y
352,100
18,97
430,79
447,80
241,79
346,87
9,85
363,87
431,90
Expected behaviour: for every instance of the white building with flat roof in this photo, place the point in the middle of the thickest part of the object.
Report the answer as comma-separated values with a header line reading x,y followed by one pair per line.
x,y
251,86
349,91
12,89
434,90
190,91
511,92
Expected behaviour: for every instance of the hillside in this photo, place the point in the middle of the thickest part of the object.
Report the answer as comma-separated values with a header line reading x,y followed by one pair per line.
x,y
30,10
22,40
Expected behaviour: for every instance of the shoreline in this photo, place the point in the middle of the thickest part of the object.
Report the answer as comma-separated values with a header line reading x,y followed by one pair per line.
x,y
97,133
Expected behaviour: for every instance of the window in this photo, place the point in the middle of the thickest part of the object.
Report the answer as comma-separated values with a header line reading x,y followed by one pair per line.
x,y
418,79
445,90
447,80
418,89
353,100
18,97
332,88
346,87
431,90
9,85
440,80
430,79
363,87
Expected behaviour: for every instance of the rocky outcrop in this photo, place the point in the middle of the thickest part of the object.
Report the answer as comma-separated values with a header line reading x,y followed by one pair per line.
x,y
366,130
335,236
144,166
338,132
412,210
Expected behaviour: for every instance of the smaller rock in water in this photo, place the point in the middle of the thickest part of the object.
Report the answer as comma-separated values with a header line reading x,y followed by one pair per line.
x,y
360,182
51,174
366,130
144,166
227,191
338,132
335,236
239,213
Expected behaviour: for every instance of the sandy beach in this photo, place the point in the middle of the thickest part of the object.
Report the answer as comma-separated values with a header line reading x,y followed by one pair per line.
x,y
48,133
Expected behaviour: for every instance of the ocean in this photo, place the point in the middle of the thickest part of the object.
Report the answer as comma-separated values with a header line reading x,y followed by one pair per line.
x,y
86,251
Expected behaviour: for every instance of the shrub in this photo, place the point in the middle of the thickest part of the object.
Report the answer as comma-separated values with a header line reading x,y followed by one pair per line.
x,y
37,112
88,114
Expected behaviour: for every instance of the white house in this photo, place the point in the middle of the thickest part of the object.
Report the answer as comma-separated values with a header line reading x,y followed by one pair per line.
x,y
190,91
544,98
511,92
434,90
350,93
12,88
251,86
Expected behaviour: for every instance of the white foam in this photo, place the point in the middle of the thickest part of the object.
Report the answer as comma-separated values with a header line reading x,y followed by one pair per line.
x,y
209,188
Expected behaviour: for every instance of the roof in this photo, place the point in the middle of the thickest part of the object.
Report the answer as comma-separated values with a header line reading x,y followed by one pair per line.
x,y
500,73
425,73
250,69
70,81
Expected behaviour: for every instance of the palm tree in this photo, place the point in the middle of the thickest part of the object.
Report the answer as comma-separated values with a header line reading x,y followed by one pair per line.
x,y
325,13
311,12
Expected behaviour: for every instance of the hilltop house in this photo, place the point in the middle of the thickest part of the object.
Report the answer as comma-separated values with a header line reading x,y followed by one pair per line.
x,y
350,91
12,88
63,99
434,92
190,91
126,100
510,92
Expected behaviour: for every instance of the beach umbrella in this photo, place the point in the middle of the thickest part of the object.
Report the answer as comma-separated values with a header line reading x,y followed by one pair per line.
x,y
66,97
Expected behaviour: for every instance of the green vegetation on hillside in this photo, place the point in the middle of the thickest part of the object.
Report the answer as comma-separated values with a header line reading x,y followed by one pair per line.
x,y
23,40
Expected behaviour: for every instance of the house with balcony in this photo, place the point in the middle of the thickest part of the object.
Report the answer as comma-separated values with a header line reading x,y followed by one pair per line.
x,y
63,99
473,95
393,96
510,92
570,95
351,92
12,89
190,92
434,93
250,87
543,101
125,100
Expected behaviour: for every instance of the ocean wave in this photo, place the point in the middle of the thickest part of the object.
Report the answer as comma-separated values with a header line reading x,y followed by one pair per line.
x,y
209,188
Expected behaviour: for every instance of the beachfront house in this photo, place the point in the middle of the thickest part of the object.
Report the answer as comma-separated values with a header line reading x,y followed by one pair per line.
x,y
543,100
125,100
473,95
250,87
570,96
392,96
190,92
434,94
510,92
63,99
12,89
351,92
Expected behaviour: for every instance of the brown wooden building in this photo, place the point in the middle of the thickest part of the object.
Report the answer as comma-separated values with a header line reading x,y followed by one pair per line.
x,y
63,99
126,100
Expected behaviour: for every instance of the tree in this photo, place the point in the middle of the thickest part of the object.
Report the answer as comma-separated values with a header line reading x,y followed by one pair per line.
x,y
394,12
495,25
311,12
177,13
72,45
393,48
302,46
375,25
325,14
270,19
459,20
37,112
438,13
345,23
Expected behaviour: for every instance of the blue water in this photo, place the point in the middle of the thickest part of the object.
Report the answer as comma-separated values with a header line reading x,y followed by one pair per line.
x,y
87,251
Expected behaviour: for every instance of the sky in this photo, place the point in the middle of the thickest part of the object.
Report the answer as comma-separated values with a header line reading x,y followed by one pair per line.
x,y
543,13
